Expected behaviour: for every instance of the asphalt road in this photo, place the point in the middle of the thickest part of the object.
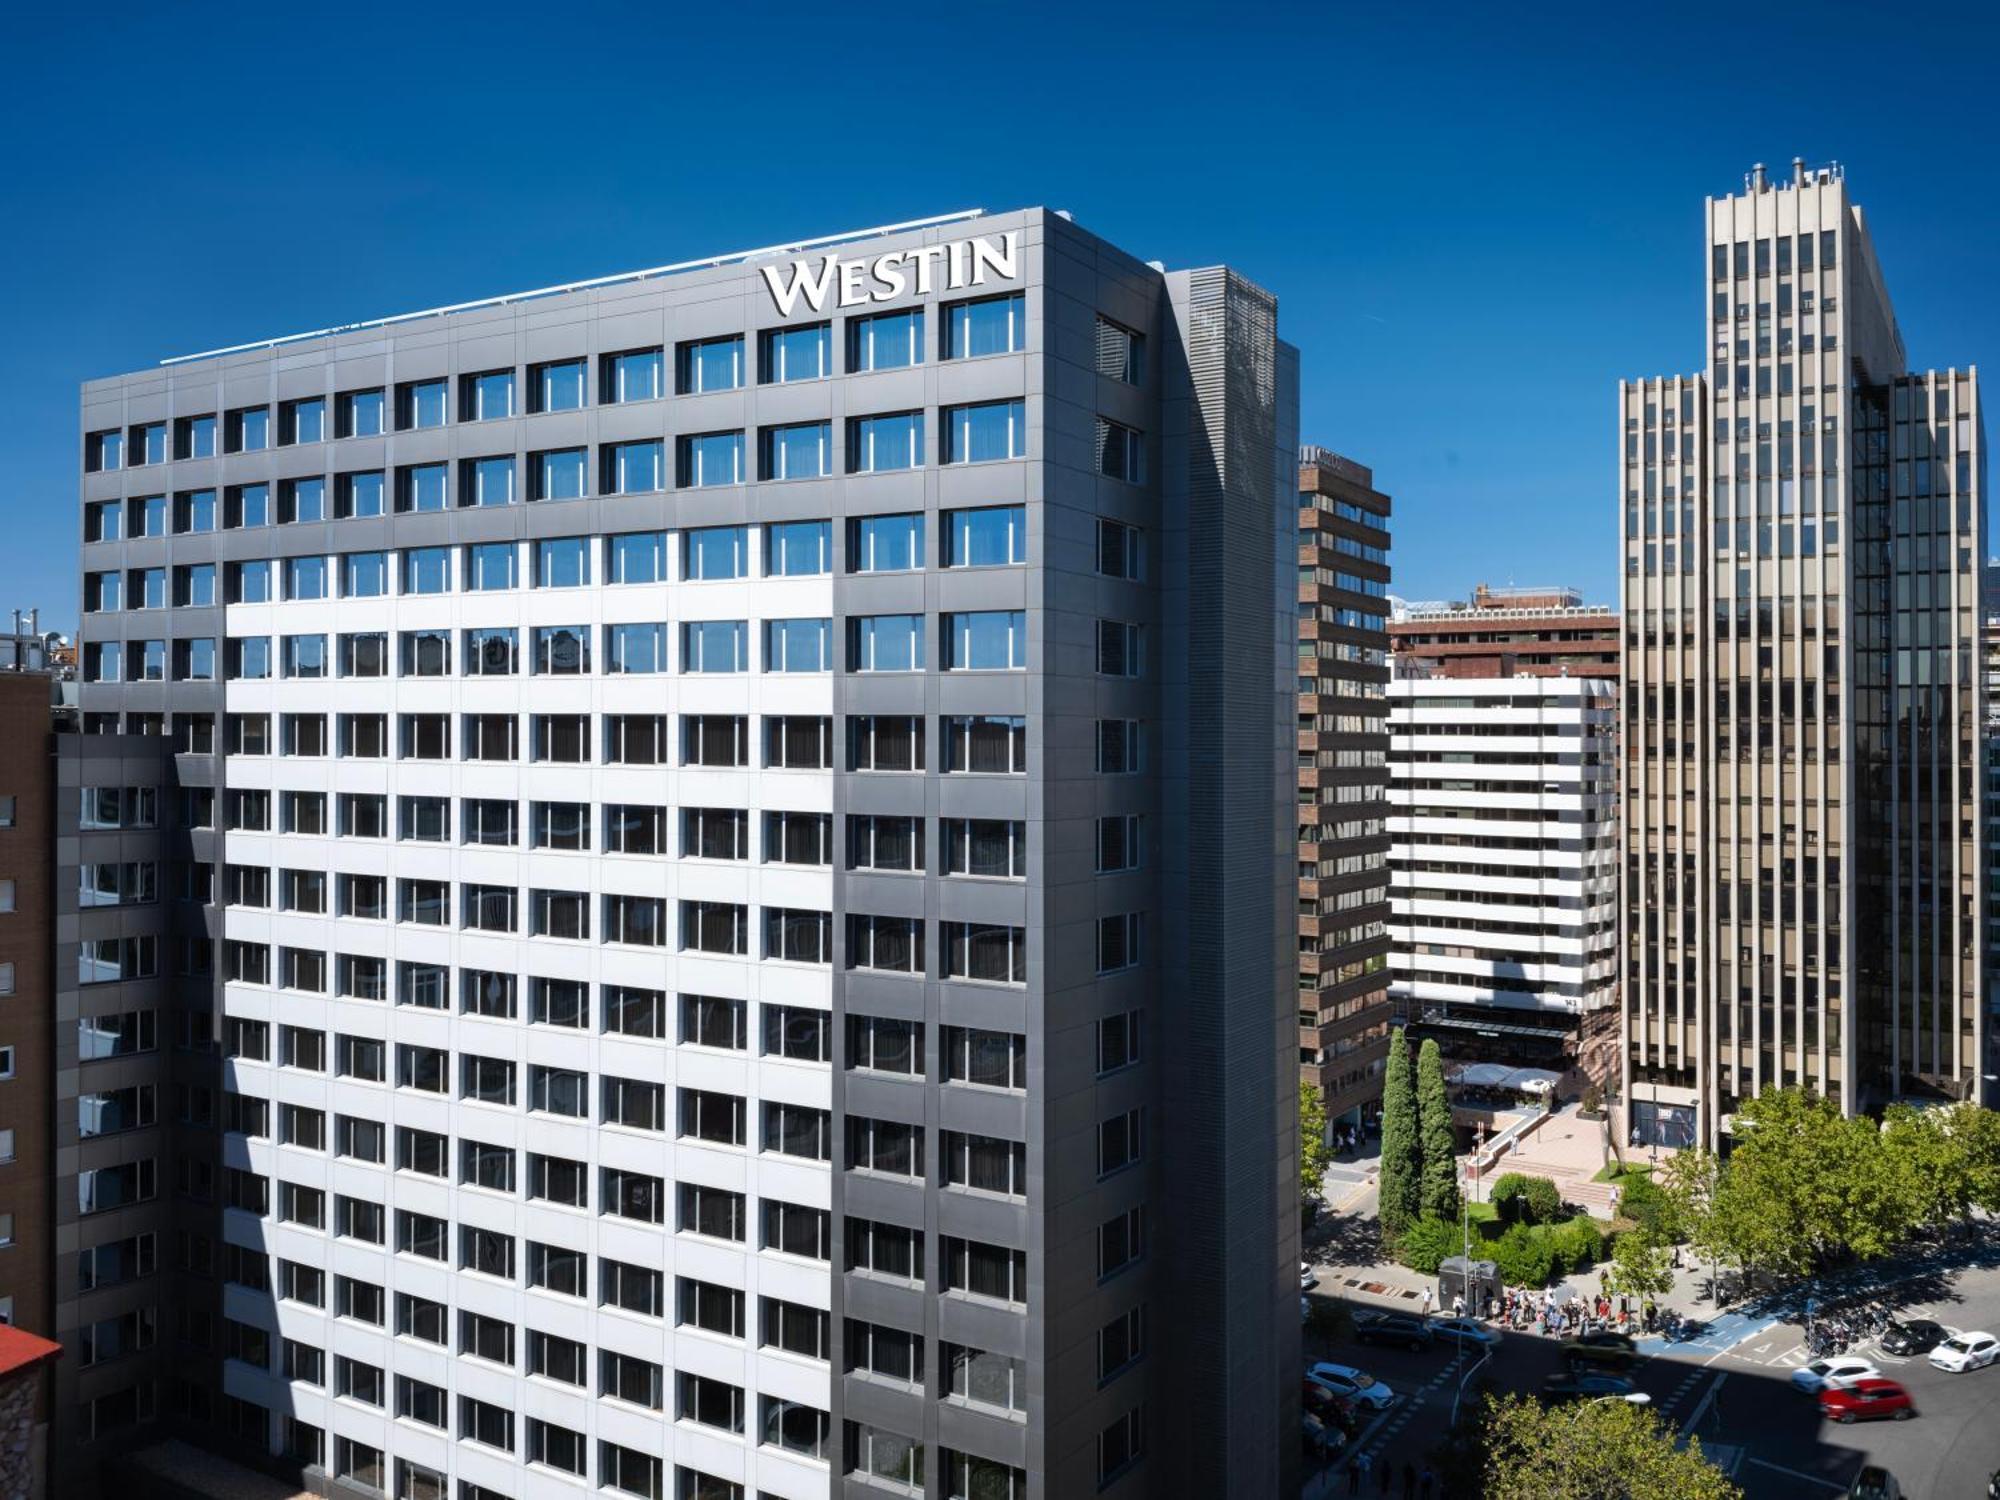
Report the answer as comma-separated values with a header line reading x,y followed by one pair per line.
x,y
1740,1402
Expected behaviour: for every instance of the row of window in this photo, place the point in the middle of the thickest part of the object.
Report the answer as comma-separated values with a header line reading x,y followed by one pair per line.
x,y
979,537
883,341
982,744
979,951
983,433
973,641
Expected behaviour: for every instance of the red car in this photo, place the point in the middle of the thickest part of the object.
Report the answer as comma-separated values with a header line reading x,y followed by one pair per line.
x,y
1866,1399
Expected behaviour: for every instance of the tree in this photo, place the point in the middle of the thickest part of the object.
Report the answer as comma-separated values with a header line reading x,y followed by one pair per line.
x,y
1639,1268
1427,1243
1314,1153
1692,1178
1592,1449
1398,1191
1647,1205
1947,1159
1541,1200
1439,1195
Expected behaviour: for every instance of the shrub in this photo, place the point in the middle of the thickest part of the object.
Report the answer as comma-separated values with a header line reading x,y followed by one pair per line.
x,y
1426,1243
1505,1195
1523,1257
1593,1098
1642,1201
1541,1201
1577,1244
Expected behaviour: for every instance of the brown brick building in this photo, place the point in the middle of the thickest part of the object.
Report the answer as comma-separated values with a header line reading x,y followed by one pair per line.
x,y
1343,781
1524,632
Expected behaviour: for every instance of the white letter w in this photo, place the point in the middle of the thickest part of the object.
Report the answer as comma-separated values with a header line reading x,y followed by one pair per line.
x,y
787,295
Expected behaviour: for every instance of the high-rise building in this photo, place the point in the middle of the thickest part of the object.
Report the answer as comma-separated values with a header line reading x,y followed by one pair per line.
x,y
1804,528
1508,632
1343,779
727,854
1503,822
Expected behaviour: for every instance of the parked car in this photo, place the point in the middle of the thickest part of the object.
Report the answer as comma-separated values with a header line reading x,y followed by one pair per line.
x,y
1468,1333
1603,1351
1966,1351
1308,1277
1357,1385
1865,1400
1321,1439
1585,1385
1918,1336
1823,1374
1874,1483
1393,1328
1337,1411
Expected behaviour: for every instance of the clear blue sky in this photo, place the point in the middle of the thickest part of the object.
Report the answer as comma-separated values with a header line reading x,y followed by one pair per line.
x,y
1476,218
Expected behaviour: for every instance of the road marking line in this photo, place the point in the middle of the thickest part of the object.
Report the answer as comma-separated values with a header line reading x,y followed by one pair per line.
x,y
1701,1409
1765,1463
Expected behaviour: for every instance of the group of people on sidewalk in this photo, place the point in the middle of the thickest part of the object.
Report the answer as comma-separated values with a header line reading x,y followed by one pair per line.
x,y
1418,1484
1523,1307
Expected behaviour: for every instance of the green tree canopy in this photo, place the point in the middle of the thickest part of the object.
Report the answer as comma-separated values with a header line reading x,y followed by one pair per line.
x,y
1639,1267
1439,1194
1401,1158
1314,1153
1590,1450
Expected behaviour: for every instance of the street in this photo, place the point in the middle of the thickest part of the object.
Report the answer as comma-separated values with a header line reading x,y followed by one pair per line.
x,y
1738,1399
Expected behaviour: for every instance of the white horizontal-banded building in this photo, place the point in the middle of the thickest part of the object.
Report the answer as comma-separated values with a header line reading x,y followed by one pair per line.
x,y
710,809
1503,861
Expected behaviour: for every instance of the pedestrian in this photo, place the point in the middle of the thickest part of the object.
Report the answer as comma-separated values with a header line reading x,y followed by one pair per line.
x,y
1363,1463
1427,1302
1388,1478
1354,1476
1424,1485
1458,1306
1409,1480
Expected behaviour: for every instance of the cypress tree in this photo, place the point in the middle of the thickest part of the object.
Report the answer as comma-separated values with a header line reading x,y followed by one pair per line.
x,y
1439,1193
1402,1159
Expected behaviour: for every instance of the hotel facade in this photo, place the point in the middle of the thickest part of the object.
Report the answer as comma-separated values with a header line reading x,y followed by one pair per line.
x,y
1804,529
727,925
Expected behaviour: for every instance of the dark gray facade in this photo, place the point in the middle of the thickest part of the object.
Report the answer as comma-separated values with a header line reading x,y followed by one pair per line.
x,y
1150,1309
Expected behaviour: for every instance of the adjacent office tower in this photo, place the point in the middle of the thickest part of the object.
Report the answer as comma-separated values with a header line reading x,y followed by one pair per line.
x,y
737,818
1803,538
1343,847
1506,881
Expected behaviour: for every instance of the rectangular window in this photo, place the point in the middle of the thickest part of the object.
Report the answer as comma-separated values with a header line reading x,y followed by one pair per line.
x,y
1118,649
715,646
486,481
988,848
491,566
1117,550
797,646
556,385
715,927
990,325
635,375
798,549
885,643
486,397
1121,353
302,421
636,557
562,562
985,640
885,841
1118,941
878,445
710,458
709,365
885,341
635,648
984,952
1120,451
422,487
801,450
301,501
635,468
103,450
985,1059
798,742
562,650
711,553
720,740
798,838
985,432
364,575
426,570
359,413
558,474
989,537
1118,747
885,544
991,1272
885,742
802,937
421,403
789,354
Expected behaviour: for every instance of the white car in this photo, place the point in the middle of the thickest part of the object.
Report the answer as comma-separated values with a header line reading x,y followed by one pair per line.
x,y
1966,1351
1308,1277
1356,1385
1833,1374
